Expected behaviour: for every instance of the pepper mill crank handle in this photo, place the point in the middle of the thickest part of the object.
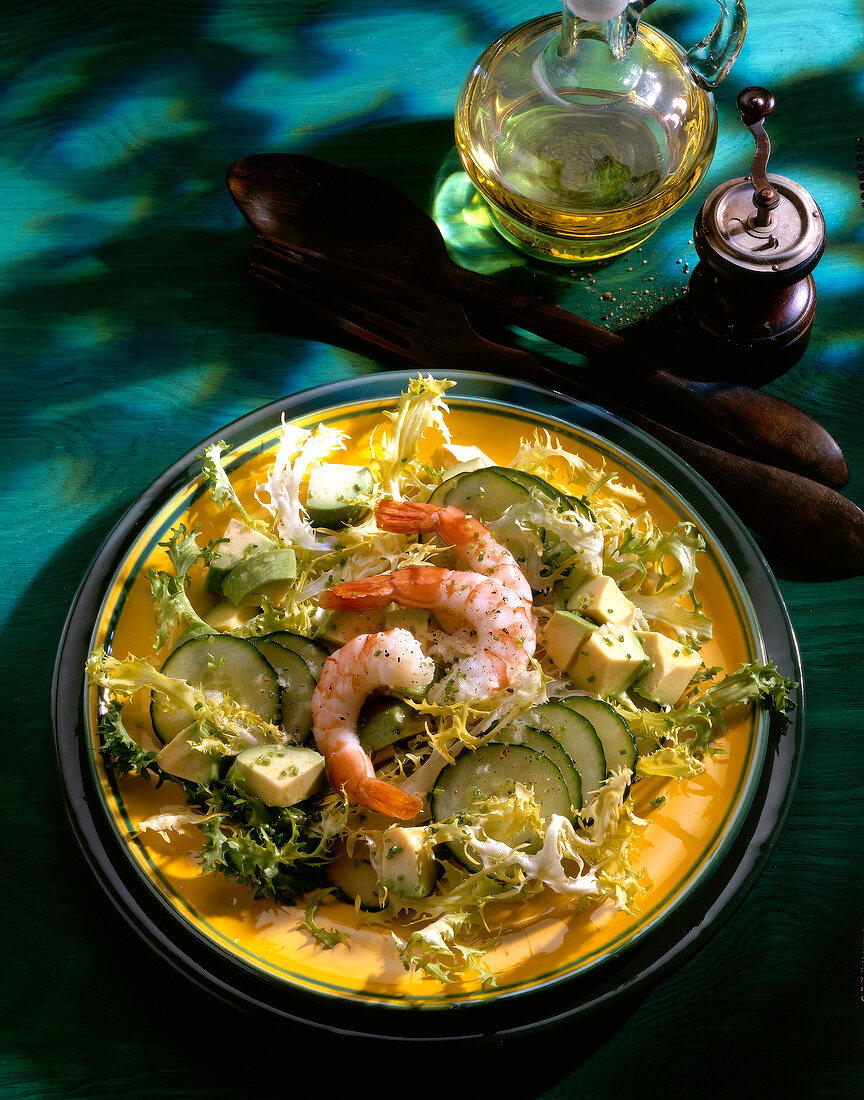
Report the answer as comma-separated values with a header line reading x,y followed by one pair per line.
x,y
755,104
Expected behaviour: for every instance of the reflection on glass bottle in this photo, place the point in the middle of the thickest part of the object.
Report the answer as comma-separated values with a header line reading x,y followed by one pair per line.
x,y
581,136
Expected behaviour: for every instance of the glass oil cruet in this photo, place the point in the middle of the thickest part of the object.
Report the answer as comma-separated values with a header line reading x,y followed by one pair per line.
x,y
583,130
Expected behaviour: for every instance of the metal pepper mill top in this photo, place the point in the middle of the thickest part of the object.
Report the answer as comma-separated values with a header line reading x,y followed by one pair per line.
x,y
752,298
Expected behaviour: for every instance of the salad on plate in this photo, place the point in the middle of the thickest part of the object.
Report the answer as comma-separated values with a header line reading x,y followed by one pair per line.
x,y
428,685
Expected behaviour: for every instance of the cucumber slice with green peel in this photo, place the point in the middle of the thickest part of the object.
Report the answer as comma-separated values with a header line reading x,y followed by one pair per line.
x,y
577,737
338,495
297,685
547,745
388,721
619,745
485,494
263,574
565,502
224,665
489,493
493,770
314,653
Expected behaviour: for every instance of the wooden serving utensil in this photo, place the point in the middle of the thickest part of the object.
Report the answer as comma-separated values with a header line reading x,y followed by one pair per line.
x,y
813,525
339,213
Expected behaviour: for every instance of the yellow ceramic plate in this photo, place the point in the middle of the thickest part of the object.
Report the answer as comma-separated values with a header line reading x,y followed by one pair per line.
x,y
703,845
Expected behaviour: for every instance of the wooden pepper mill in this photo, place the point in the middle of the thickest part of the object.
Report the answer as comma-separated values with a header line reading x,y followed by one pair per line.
x,y
752,298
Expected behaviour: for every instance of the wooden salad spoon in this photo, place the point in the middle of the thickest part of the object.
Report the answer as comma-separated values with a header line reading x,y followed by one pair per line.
x,y
811,525
340,213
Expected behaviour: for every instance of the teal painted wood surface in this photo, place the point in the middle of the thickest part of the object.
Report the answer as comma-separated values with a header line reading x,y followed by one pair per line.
x,y
130,332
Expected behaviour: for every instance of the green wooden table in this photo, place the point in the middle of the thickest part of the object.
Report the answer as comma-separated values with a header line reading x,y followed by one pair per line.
x,y
131,332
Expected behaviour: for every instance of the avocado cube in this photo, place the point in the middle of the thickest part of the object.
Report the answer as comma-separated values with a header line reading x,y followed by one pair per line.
x,y
340,627
565,587
455,460
601,599
608,661
673,666
354,873
184,760
408,866
278,775
242,540
226,616
337,495
414,619
265,573
562,635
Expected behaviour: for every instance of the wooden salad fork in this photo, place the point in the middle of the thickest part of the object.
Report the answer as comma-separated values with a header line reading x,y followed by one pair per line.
x,y
813,524
326,211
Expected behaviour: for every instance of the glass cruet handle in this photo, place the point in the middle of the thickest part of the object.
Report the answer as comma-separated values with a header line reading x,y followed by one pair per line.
x,y
711,59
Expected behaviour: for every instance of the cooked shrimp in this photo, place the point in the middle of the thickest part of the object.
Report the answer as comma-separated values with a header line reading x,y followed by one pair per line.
x,y
390,659
495,604
469,538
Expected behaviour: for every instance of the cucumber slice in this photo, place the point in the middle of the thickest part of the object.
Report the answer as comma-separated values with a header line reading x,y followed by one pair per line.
x,y
264,574
223,664
488,493
563,501
313,653
388,721
619,745
547,745
332,497
485,494
490,771
577,737
297,685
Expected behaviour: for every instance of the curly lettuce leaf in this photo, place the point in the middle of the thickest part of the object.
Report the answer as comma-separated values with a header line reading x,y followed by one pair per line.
x,y
651,555
473,723
326,937
168,591
421,408
547,542
457,934
121,751
546,457
605,839
179,820
670,762
221,488
299,449
702,717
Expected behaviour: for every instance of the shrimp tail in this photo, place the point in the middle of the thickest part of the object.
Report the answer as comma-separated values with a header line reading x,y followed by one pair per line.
x,y
360,595
406,516
385,798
